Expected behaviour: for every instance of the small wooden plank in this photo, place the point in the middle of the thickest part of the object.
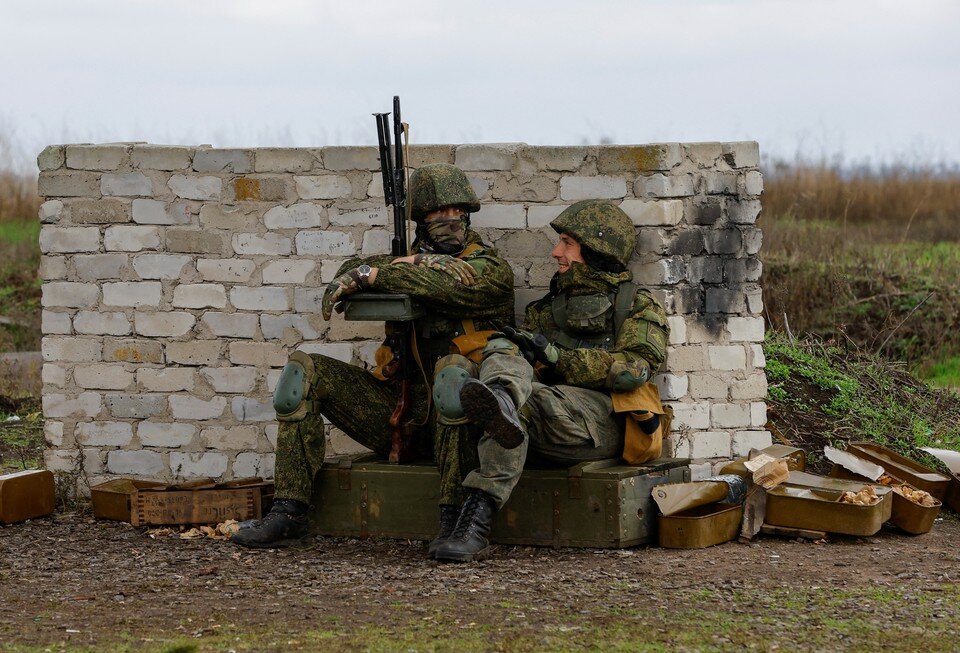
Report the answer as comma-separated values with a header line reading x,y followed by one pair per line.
x,y
783,531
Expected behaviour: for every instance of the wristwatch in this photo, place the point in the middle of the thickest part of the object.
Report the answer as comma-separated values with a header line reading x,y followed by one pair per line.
x,y
364,273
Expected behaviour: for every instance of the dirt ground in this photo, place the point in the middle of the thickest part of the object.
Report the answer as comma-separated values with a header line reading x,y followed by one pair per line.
x,y
68,582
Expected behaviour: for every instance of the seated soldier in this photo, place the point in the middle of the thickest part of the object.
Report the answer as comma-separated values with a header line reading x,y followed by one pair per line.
x,y
596,339
467,291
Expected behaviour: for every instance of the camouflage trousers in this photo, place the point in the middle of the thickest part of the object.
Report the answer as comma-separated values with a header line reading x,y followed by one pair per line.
x,y
564,425
360,405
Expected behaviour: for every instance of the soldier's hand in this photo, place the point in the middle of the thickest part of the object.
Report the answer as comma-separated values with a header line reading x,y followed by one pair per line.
x,y
343,286
461,270
534,346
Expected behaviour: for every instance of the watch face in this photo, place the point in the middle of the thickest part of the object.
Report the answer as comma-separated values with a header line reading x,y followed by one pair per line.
x,y
364,269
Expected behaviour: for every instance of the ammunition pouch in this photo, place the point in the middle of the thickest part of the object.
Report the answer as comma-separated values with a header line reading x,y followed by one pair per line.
x,y
291,397
449,375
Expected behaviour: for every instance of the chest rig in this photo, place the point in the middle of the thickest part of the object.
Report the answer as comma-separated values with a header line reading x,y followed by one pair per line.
x,y
591,321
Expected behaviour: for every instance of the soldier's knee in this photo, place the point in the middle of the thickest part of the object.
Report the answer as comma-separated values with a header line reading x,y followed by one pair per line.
x,y
291,397
448,377
500,346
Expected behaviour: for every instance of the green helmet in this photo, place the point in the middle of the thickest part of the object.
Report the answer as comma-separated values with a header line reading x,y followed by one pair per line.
x,y
599,226
440,184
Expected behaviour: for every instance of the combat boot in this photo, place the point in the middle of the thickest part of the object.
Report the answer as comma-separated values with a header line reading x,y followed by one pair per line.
x,y
284,524
448,520
469,542
491,408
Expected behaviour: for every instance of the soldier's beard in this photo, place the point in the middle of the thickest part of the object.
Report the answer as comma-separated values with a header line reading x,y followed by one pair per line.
x,y
446,236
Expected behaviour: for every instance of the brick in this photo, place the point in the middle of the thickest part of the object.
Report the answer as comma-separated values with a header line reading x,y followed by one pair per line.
x,y
70,349
368,216
525,244
53,433
53,267
100,211
102,377
686,359
639,158
482,186
708,386
704,155
664,186
55,323
51,211
94,267
219,216
235,437
754,299
727,357
667,271
752,387
753,183
743,212
231,325
230,379
658,213
132,351
706,329
341,351
421,155
69,294
187,407
707,212
246,409
69,239
525,188
263,189
101,323
499,156
277,159
95,157
191,187
194,241
730,415
719,183
325,243
500,216
163,325
375,241
573,188
198,465
744,154
725,300
264,298
275,327
131,239
229,270
163,434
691,415
757,358
686,242
742,270
135,406
710,444
132,293
328,271
745,329
126,184
271,431
678,329
194,352
758,414
68,184
296,216
156,212
216,160
51,158
350,158
86,404
199,295
744,441
308,300
261,244
539,217
141,462
561,159
323,187
287,271
258,354
104,434
671,386
160,266
161,157
540,273
700,471
249,464
169,379
723,241
375,187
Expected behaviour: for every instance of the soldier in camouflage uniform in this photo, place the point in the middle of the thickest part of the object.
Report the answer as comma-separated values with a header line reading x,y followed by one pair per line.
x,y
462,284
594,334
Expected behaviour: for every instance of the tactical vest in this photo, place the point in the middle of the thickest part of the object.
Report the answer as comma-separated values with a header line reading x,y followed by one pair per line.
x,y
591,321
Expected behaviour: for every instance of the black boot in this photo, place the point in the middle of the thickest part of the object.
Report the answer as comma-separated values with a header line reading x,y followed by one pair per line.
x,y
491,408
448,520
285,523
469,542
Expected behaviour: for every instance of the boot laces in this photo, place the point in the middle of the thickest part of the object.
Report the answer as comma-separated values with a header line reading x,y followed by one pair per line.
x,y
471,508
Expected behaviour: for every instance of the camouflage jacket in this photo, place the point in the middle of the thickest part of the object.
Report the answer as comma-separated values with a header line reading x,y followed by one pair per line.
x,y
642,336
488,302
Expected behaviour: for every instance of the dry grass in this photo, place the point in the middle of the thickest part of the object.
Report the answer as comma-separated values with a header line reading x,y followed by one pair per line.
x,y
18,196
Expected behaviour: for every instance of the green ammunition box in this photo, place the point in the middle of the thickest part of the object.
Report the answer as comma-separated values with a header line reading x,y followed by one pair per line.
x,y
381,307
602,504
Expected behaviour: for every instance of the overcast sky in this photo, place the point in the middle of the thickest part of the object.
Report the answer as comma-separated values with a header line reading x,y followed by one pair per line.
x,y
866,79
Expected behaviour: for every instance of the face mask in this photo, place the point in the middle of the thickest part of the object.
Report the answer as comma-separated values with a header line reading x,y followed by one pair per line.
x,y
447,234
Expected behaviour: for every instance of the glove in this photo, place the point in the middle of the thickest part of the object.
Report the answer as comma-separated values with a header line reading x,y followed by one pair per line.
x,y
343,286
461,270
534,346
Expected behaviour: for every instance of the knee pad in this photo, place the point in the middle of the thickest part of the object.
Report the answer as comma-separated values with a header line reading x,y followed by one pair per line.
x,y
448,377
291,398
500,346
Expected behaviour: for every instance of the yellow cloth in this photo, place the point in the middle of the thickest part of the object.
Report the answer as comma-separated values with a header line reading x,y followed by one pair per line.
x,y
641,404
